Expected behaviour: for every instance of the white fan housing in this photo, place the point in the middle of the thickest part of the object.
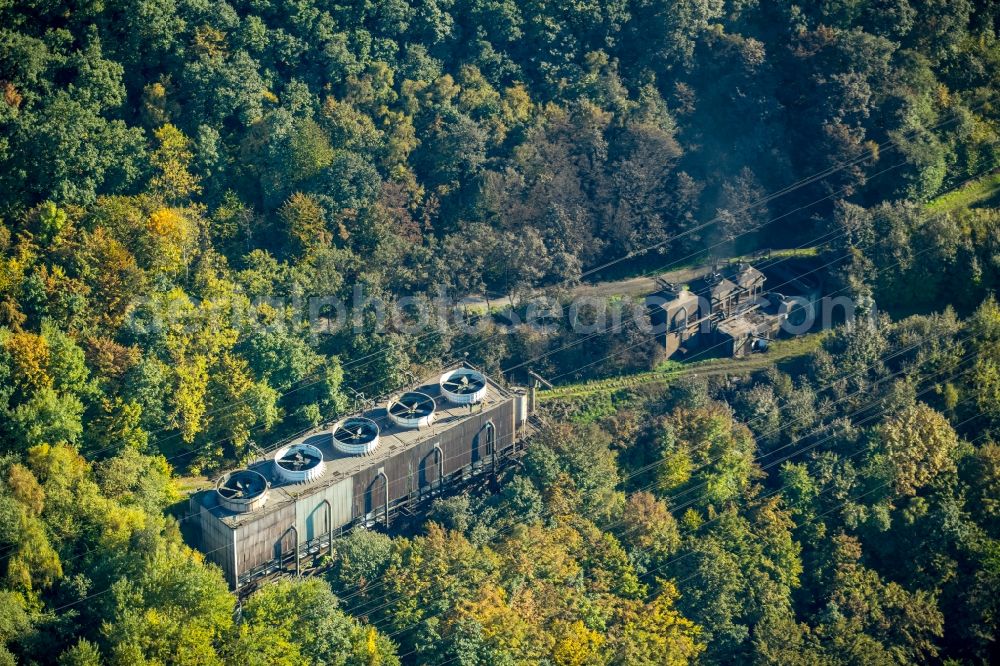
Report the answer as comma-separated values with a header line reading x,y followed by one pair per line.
x,y
356,436
242,490
412,410
463,386
297,463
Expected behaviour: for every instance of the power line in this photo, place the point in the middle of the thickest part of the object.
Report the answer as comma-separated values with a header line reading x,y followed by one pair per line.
x,y
589,272
409,627
757,458
306,431
258,427
782,192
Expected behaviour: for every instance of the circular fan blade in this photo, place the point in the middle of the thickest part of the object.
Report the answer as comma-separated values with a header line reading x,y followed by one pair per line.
x,y
298,461
358,431
241,486
411,405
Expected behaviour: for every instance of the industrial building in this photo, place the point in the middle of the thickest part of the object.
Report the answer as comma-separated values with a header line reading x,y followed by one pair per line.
x,y
728,309
281,512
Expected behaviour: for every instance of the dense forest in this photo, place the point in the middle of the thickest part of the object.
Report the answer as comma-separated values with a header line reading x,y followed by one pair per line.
x,y
179,177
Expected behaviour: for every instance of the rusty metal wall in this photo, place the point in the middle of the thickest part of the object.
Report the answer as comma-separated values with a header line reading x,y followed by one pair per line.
x,y
311,511
216,541
256,541
462,444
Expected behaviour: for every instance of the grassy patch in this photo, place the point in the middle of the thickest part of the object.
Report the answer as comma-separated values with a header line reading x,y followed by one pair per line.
x,y
648,268
976,192
796,252
597,406
781,352
650,263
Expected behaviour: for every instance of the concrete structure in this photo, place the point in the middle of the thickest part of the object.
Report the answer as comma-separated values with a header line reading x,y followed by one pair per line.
x,y
727,309
412,459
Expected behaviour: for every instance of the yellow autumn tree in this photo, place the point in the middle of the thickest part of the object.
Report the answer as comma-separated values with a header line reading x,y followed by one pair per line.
x,y
171,162
517,107
656,634
34,562
196,336
174,235
918,444
115,279
576,645
189,397
506,626
238,404
39,488
305,222
29,355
